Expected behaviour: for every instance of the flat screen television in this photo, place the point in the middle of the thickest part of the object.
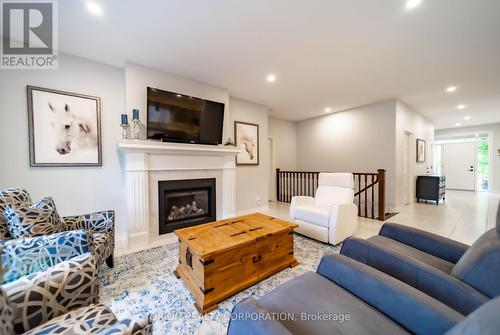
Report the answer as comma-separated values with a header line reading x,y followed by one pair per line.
x,y
174,117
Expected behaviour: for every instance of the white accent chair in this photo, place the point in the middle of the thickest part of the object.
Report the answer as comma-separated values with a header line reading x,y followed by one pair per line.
x,y
331,216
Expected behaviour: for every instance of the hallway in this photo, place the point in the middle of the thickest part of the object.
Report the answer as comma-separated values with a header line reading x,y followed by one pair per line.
x,y
463,217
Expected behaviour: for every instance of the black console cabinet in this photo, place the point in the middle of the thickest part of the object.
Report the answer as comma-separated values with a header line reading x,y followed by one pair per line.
x,y
431,188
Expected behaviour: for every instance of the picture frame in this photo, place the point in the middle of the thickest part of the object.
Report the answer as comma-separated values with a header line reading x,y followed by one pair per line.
x,y
421,154
64,128
246,136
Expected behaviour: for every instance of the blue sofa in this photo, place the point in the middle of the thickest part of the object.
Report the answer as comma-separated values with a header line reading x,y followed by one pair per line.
x,y
348,297
462,277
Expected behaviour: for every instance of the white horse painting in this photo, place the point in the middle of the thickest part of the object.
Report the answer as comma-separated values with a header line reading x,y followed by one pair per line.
x,y
249,145
71,131
247,138
64,128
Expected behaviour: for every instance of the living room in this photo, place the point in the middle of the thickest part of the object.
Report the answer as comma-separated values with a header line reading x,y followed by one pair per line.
x,y
282,145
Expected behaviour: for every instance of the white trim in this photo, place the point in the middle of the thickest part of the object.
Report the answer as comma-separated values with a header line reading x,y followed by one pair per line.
x,y
155,147
272,163
147,162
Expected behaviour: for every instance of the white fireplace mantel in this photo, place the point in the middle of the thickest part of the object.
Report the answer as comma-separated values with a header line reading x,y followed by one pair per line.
x,y
165,148
147,162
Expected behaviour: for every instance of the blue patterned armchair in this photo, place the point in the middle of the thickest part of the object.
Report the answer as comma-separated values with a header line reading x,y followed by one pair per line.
x,y
99,225
62,300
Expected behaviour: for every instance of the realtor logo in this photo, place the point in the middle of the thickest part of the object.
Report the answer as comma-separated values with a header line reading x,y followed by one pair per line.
x,y
29,34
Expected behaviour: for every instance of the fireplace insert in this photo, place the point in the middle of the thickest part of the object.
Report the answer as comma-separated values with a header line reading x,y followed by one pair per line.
x,y
185,203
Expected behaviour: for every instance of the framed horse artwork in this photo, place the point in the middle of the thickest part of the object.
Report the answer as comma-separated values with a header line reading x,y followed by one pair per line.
x,y
247,139
64,128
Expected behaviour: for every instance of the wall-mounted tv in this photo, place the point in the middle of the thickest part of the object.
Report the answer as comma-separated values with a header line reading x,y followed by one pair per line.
x,y
174,117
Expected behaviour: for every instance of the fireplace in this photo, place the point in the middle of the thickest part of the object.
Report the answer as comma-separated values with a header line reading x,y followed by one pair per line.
x,y
185,203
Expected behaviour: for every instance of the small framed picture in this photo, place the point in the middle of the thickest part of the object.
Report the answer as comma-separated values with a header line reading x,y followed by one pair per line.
x,y
64,128
247,139
420,151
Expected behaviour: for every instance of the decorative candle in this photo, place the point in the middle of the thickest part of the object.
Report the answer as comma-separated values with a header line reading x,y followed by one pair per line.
x,y
124,119
135,114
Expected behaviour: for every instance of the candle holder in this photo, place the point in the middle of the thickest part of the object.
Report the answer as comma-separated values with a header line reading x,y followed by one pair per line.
x,y
136,130
124,125
124,131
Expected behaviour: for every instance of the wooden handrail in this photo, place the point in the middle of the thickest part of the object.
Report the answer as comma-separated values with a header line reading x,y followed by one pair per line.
x,y
369,187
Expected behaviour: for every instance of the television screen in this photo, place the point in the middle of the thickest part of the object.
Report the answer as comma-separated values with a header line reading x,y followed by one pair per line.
x,y
180,118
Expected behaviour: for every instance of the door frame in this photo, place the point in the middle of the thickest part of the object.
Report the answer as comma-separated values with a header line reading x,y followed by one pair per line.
x,y
408,137
272,166
490,154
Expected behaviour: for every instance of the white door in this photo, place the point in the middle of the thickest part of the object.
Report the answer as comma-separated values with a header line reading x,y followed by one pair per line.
x,y
459,166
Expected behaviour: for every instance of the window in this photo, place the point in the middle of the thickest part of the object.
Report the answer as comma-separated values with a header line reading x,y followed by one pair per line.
x,y
482,164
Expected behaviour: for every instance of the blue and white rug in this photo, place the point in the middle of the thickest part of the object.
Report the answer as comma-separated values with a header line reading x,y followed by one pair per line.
x,y
144,283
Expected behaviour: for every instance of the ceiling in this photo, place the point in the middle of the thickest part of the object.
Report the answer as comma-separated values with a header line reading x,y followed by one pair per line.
x,y
324,53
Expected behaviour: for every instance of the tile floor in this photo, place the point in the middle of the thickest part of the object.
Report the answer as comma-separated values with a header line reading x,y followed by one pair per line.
x,y
463,217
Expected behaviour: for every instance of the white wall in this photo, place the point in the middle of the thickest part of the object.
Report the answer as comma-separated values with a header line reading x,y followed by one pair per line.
x,y
75,190
252,181
284,134
138,78
494,128
283,144
409,121
355,140
81,190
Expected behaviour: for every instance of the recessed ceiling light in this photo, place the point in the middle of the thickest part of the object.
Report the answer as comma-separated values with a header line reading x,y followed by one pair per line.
x,y
458,124
451,89
461,106
179,95
467,117
271,78
94,8
328,109
410,4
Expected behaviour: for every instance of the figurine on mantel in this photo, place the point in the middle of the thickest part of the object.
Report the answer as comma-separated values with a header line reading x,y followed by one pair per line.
x,y
229,142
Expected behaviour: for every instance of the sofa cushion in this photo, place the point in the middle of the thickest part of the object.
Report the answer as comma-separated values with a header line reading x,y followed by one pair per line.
x,y
40,218
311,296
420,275
11,196
484,321
416,254
480,265
313,214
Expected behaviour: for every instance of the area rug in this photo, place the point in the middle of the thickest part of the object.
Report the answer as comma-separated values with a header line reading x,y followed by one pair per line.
x,y
143,283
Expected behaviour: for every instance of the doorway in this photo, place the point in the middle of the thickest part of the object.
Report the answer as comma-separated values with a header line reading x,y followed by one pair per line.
x,y
460,166
465,161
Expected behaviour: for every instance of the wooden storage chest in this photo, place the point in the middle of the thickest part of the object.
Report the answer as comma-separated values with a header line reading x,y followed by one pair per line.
x,y
220,259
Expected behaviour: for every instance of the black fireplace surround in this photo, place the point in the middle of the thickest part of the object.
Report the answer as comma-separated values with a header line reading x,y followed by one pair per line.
x,y
185,203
